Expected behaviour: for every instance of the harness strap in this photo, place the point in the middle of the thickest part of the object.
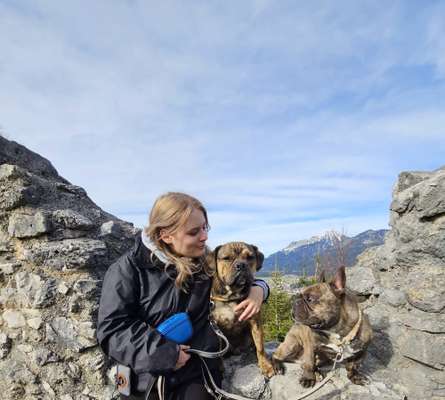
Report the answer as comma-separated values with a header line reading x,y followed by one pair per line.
x,y
353,333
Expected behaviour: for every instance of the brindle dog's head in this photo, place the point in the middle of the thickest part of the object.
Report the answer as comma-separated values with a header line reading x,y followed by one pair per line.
x,y
235,265
319,306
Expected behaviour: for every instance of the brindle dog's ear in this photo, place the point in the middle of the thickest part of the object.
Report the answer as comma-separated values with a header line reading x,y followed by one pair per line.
x,y
338,282
259,258
321,278
212,256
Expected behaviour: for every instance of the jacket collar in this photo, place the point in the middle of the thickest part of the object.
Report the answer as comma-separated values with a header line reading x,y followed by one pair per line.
x,y
149,244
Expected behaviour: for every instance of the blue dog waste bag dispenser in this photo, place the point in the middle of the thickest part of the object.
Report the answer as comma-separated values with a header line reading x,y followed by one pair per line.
x,y
178,328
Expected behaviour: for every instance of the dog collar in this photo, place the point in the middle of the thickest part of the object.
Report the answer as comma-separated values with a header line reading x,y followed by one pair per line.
x,y
226,299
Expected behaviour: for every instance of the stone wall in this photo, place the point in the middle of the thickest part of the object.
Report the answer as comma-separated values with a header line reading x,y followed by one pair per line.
x,y
55,245
404,283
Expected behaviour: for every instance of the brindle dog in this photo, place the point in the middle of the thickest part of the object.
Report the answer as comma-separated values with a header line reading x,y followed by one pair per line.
x,y
235,265
326,317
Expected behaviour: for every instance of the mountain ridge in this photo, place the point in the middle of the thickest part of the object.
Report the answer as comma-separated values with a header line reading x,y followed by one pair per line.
x,y
328,250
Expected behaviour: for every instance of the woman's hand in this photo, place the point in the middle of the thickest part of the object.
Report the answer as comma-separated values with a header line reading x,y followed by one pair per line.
x,y
183,356
252,305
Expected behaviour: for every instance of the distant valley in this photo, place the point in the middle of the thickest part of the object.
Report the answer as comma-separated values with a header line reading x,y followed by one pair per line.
x,y
328,251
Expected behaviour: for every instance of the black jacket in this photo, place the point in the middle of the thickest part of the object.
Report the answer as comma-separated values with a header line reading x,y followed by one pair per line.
x,y
137,295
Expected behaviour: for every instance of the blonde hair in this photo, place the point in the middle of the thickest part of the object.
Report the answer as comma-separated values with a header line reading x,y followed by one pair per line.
x,y
170,212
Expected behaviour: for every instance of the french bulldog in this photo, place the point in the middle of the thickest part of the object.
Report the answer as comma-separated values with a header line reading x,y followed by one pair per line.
x,y
328,325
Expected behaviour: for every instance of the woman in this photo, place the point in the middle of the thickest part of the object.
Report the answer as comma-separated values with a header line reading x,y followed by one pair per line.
x,y
164,274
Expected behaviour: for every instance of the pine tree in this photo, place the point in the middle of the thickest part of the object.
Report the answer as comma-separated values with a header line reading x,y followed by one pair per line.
x,y
277,313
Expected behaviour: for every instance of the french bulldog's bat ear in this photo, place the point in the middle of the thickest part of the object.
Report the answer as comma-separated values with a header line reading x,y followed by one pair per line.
x,y
212,256
338,282
259,258
321,276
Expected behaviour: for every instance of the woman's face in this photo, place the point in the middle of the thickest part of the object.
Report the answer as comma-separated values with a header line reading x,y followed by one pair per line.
x,y
189,240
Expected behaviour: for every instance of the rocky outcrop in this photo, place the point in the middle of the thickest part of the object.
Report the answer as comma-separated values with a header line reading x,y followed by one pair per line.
x,y
403,282
55,246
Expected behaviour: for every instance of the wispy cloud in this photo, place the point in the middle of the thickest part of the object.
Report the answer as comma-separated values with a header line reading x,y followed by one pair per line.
x,y
285,120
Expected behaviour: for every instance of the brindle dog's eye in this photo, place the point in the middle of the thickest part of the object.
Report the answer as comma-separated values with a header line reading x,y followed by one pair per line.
x,y
227,258
250,258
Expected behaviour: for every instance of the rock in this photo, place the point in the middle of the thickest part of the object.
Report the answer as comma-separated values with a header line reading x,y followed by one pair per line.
x,y
19,373
248,381
426,288
408,316
362,281
5,345
9,268
408,179
8,296
393,297
49,390
62,287
16,189
14,319
25,348
86,287
44,356
71,219
52,256
424,347
423,321
64,332
110,228
28,225
68,254
34,290
74,305
35,323
74,371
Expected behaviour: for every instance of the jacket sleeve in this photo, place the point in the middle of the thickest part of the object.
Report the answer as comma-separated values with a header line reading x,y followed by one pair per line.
x,y
121,333
263,285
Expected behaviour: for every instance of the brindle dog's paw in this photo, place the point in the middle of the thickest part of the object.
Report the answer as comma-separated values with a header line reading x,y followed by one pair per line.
x,y
268,370
278,366
358,379
307,380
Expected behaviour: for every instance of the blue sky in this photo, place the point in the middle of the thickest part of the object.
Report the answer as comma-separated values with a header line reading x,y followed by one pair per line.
x,y
285,118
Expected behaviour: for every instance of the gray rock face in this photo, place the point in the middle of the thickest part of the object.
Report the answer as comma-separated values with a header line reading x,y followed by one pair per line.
x,y
408,316
67,333
67,254
35,291
27,226
71,219
53,255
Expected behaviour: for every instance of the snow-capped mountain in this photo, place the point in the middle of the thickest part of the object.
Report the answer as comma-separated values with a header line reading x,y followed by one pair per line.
x,y
331,248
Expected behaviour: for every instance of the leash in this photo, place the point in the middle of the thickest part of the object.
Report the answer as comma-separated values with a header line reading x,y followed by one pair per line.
x,y
209,382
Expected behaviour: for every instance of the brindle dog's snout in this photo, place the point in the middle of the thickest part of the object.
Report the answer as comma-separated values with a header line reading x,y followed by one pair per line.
x,y
241,265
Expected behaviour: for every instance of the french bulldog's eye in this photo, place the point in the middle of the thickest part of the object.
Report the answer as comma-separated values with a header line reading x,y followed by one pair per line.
x,y
225,258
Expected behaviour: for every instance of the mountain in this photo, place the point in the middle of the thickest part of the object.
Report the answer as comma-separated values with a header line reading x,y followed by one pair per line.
x,y
331,249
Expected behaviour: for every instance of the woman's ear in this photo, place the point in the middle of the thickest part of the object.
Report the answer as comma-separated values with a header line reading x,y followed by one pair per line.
x,y
165,237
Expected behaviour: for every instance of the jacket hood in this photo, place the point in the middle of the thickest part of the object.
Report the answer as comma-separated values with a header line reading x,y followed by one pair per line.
x,y
149,244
